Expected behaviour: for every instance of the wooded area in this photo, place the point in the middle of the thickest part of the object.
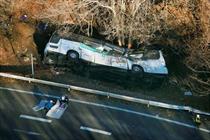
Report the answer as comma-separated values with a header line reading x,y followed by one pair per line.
x,y
180,26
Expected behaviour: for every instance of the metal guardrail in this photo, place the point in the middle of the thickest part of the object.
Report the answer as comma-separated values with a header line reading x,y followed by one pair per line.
x,y
108,94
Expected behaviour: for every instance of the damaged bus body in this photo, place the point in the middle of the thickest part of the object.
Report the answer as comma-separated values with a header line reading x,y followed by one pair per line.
x,y
74,48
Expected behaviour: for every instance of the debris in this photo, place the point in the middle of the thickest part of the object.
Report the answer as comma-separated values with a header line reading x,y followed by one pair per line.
x,y
34,58
40,106
188,93
56,71
173,81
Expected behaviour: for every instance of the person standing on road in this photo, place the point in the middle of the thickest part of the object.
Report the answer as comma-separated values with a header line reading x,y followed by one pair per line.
x,y
64,99
198,119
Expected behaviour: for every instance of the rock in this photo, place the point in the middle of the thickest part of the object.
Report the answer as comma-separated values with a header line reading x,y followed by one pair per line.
x,y
34,58
26,59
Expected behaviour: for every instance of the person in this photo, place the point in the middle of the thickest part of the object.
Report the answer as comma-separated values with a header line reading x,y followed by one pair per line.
x,y
49,105
64,99
23,18
197,119
42,26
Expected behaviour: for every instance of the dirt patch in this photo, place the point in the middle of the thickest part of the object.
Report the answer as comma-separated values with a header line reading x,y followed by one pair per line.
x,y
24,41
206,17
7,52
17,49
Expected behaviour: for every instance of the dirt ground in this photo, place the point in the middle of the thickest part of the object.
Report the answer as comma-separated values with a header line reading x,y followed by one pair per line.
x,y
16,50
15,54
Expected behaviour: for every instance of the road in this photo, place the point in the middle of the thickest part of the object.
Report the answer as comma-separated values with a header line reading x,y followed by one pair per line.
x,y
86,119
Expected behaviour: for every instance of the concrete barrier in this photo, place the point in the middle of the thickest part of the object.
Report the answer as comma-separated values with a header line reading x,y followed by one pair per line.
x,y
108,94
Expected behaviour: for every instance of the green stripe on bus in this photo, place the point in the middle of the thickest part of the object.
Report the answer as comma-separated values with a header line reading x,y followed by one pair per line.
x,y
91,49
88,47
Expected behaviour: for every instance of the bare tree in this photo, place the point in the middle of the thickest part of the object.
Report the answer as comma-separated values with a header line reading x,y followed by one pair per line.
x,y
124,20
175,23
120,19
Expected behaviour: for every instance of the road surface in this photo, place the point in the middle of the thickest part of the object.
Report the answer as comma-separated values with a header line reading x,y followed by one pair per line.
x,y
86,119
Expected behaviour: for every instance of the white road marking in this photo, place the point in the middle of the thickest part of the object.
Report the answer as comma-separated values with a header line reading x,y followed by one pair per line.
x,y
27,132
113,108
95,130
141,114
35,118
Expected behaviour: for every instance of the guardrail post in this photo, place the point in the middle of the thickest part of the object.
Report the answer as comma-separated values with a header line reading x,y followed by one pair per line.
x,y
32,66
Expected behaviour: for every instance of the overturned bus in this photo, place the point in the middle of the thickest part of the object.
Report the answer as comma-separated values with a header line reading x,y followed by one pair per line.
x,y
74,47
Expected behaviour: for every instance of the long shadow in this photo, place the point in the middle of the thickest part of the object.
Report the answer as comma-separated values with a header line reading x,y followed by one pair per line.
x,y
125,79
24,69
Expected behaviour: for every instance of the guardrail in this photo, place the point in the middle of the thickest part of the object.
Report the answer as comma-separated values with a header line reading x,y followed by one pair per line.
x,y
108,94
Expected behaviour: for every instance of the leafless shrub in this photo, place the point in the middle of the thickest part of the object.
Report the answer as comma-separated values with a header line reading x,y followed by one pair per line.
x,y
175,23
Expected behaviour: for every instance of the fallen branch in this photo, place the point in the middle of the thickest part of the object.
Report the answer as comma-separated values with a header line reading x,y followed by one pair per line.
x,y
200,81
197,71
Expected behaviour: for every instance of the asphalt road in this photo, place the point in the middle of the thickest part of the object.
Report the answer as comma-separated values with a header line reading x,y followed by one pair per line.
x,y
102,121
